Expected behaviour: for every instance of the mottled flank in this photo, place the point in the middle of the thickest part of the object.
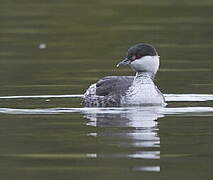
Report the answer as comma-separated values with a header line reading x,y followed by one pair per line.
x,y
107,91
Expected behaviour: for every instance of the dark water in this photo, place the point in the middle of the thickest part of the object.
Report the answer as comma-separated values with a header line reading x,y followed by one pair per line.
x,y
48,138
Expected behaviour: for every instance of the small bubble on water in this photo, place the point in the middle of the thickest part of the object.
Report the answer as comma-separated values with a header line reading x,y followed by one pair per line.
x,y
42,46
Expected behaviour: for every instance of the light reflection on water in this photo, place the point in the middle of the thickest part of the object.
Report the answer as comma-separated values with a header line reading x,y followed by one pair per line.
x,y
144,135
140,127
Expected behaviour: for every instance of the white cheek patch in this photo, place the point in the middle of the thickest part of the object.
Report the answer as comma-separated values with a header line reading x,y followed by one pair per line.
x,y
146,64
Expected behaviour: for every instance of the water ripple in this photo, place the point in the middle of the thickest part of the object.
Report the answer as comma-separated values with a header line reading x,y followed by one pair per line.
x,y
150,112
168,97
153,112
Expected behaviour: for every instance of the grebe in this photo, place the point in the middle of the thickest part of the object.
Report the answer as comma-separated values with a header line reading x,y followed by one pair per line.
x,y
135,90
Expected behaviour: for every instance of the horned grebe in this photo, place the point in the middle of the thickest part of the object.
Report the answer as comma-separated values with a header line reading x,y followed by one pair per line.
x,y
129,90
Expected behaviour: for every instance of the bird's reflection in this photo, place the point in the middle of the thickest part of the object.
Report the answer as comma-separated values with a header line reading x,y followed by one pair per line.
x,y
140,130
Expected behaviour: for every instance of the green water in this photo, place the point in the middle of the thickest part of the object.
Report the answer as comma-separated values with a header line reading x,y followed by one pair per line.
x,y
84,41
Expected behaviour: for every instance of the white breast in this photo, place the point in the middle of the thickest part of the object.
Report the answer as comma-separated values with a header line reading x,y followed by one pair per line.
x,y
142,94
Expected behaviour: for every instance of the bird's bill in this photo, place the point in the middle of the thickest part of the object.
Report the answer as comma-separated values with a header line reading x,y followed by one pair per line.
x,y
126,61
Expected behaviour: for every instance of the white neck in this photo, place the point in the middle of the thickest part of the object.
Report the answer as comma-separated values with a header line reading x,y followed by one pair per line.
x,y
144,75
144,78
146,66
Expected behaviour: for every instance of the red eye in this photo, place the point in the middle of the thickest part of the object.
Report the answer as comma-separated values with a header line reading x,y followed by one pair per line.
x,y
138,57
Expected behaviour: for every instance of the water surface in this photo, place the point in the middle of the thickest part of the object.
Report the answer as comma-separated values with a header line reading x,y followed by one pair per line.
x,y
51,51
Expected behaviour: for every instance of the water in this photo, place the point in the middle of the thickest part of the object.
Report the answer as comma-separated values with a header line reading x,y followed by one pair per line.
x,y
52,51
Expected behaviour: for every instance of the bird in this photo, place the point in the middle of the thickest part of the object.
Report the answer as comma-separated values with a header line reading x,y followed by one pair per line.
x,y
138,90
